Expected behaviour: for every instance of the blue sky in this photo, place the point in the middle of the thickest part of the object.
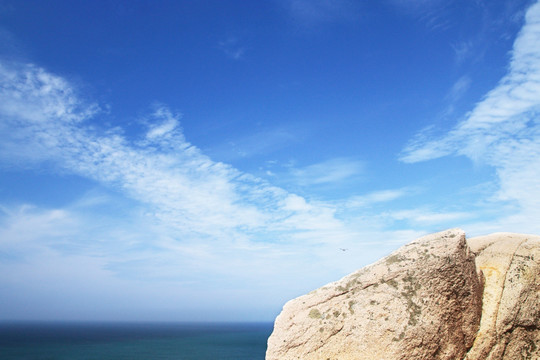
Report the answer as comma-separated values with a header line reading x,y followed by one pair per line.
x,y
209,160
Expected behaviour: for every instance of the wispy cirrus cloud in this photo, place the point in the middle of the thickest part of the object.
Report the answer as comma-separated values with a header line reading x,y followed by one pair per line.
x,y
308,13
264,141
423,217
463,50
232,48
377,197
503,129
171,215
163,169
174,221
430,12
329,171
175,215
459,88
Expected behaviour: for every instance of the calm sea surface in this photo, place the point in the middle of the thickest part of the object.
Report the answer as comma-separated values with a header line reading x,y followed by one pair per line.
x,y
102,341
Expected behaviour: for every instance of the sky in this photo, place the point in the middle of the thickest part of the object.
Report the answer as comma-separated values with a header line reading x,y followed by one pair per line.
x,y
210,160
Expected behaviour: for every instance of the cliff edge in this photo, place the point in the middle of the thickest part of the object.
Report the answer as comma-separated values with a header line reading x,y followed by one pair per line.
x,y
438,297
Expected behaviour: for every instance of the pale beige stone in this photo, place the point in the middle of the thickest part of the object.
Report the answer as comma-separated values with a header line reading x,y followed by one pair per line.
x,y
421,302
510,325
439,297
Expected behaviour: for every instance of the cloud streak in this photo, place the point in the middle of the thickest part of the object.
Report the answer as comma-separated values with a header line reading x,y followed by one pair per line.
x,y
309,13
330,171
503,129
179,216
163,169
174,216
231,48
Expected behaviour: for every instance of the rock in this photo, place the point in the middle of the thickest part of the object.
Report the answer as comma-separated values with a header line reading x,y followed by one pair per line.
x,y
439,297
424,301
510,325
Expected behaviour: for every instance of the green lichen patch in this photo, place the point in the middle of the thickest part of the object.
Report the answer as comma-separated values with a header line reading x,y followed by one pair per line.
x,y
351,304
393,283
394,259
315,314
401,336
410,287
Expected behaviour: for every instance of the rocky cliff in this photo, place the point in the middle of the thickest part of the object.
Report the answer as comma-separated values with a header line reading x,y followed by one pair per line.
x,y
439,297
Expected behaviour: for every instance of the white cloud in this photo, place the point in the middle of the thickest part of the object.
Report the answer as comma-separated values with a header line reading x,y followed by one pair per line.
x,y
166,127
463,50
329,171
175,223
503,130
232,48
168,172
376,197
261,142
179,215
459,88
427,217
20,226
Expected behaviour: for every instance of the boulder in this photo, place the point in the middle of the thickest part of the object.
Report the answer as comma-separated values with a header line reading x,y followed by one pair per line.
x,y
439,297
510,324
424,301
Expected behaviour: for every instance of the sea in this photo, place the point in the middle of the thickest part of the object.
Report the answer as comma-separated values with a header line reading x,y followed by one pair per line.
x,y
133,341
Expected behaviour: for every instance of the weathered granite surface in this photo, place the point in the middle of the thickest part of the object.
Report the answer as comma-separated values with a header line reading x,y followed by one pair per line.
x,y
439,297
510,325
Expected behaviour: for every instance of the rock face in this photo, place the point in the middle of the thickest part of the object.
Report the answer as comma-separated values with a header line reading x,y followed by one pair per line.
x,y
422,302
439,297
510,325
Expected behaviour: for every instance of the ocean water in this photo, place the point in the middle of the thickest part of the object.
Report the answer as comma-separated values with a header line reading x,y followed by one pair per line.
x,y
133,341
